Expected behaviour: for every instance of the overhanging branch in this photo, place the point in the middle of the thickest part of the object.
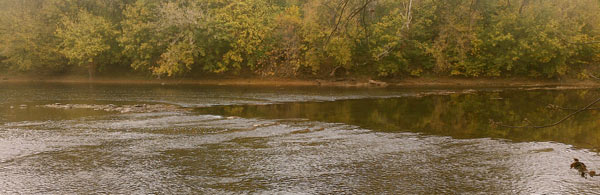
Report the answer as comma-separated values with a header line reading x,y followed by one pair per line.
x,y
493,123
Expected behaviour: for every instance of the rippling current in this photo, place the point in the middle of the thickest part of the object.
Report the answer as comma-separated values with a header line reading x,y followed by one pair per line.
x,y
270,140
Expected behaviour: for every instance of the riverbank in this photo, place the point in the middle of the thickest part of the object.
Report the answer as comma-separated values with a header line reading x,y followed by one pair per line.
x,y
364,82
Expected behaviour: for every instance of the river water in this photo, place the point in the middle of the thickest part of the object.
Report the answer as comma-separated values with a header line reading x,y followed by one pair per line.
x,y
294,140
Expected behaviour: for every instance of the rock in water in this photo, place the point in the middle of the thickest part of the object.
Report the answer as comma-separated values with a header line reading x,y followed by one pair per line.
x,y
378,83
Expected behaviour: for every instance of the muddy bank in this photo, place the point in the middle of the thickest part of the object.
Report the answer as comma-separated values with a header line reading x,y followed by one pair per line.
x,y
332,82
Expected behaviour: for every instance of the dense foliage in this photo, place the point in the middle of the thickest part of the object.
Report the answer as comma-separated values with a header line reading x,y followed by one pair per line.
x,y
292,38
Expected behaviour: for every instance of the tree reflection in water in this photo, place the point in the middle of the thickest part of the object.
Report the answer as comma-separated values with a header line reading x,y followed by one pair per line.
x,y
456,115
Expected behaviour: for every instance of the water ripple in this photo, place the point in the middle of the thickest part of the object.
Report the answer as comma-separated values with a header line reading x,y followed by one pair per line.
x,y
186,153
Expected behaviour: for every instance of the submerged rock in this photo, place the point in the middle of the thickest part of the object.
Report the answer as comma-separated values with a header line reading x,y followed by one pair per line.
x,y
137,108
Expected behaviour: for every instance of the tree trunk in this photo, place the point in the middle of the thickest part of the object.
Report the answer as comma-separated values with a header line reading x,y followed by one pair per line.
x,y
408,15
523,4
91,71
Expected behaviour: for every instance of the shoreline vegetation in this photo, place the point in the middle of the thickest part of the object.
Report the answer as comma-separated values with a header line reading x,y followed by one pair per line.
x,y
349,82
395,40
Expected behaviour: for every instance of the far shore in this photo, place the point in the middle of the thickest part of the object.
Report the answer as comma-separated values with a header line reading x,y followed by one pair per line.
x,y
407,82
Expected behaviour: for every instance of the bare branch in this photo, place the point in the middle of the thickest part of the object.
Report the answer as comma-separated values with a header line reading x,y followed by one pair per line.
x,y
356,12
408,14
562,38
595,77
405,28
556,107
583,43
549,125
346,21
339,20
523,4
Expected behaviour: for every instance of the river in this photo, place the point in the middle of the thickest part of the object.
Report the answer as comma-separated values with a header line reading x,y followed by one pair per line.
x,y
67,138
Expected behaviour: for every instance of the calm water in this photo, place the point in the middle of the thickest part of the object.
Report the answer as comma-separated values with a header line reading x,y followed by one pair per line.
x,y
299,140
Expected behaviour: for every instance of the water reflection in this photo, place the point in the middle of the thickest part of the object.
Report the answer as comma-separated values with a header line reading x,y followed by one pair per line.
x,y
456,115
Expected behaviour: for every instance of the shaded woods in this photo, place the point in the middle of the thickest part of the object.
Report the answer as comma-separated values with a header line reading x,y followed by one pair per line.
x,y
298,38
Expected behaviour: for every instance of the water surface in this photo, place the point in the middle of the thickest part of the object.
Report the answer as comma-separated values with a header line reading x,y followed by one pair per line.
x,y
239,140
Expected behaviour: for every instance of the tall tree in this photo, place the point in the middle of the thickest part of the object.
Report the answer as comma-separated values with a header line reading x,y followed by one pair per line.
x,y
236,34
162,37
86,40
28,43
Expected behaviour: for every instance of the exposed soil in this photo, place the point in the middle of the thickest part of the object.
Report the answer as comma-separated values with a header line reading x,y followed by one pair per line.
x,y
351,82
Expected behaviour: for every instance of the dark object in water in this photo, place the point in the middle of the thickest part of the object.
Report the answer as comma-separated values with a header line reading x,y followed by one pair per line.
x,y
592,173
579,166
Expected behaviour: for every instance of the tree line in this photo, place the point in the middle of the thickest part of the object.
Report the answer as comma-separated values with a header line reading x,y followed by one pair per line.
x,y
298,38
